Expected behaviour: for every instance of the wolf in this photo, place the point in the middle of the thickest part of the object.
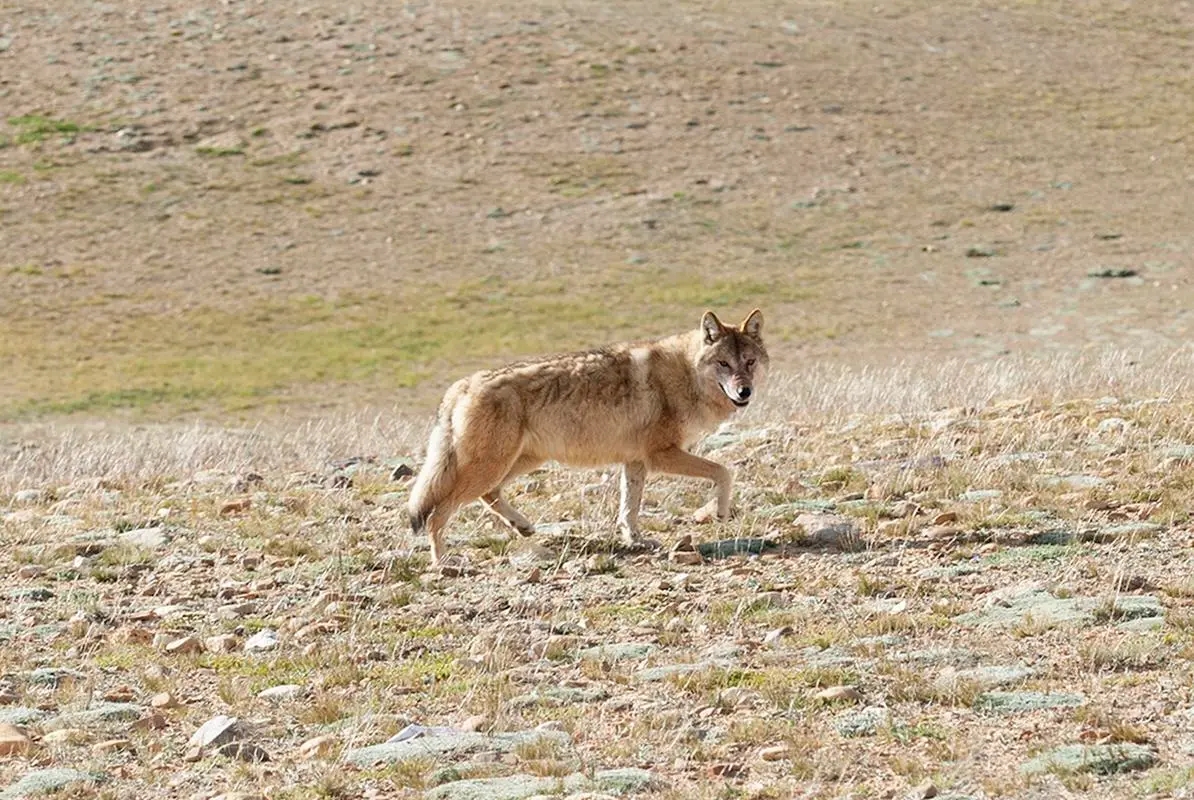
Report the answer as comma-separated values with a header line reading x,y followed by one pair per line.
x,y
638,404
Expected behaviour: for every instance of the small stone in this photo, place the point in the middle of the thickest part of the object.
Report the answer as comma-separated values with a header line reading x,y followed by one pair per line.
x,y
218,730
13,741
319,747
829,530
29,571
111,746
184,645
163,700
263,641
148,538
775,634
153,721
777,752
945,518
474,723
8,697
121,694
724,769
287,691
236,506
924,791
221,643
839,694
65,736
686,558
26,496
244,751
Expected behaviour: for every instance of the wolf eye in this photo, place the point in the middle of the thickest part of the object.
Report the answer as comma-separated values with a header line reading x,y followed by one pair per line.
x,y
723,364
750,362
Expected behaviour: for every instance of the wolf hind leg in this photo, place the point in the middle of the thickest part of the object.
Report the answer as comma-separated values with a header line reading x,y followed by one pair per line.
x,y
501,507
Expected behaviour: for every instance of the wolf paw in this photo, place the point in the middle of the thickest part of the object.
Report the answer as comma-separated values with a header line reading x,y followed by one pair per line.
x,y
708,513
641,543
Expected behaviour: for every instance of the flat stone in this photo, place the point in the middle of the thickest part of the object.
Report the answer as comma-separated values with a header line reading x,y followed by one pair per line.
x,y
97,714
1045,609
447,742
829,530
1024,702
985,677
1073,483
980,495
149,538
617,782
31,594
47,781
13,741
262,642
1102,759
287,691
623,651
662,673
217,731
866,722
726,548
20,715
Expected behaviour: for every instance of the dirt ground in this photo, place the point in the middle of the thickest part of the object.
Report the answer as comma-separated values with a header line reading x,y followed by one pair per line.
x,y
295,224
184,187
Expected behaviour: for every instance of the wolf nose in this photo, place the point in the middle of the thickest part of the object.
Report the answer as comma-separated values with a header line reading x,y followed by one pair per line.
x,y
743,392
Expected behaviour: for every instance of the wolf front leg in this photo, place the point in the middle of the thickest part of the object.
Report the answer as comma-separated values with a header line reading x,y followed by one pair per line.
x,y
680,462
634,476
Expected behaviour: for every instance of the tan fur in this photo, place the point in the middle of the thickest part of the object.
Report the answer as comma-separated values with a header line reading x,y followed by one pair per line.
x,y
639,404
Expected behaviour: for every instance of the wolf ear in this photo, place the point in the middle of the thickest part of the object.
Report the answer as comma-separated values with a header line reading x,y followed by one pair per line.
x,y
753,325
712,328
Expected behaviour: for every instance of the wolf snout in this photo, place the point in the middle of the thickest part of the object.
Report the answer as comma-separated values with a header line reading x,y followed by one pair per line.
x,y
743,392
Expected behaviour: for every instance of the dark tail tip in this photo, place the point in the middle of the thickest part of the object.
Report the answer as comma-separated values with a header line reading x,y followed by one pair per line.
x,y
418,521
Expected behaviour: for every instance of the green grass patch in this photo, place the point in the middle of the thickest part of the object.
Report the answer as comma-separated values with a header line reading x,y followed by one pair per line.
x,y
32,128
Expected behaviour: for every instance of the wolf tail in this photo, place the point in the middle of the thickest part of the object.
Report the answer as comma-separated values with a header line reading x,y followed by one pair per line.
x,y
436,477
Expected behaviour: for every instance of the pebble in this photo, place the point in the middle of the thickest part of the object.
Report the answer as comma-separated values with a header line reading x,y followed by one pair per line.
x,y
221,643
111,746
184,645
262,641
245,751
65,736
31,571
287,691
775,634
319,747
217,731
777,752
839,694
163,700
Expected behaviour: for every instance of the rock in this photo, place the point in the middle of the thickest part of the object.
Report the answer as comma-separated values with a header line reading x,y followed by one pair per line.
x,y
617,782
924,791
733,547
30,571
986,677
551,696
775,634
980,495
153,721
229,143
20,715
1023,702
96,714
419,742
287,691
1018,605
221,643
622,651
725,769
1103,759
26,496
686,558
244,751
839,694
184,645
120,694
35,594
662,673
236,506
1072,483
829,530
262,642
319,747
217,731
53,676
65,736
13,741
109,746
47,781
163,700
866,722
945,518
148,538
777,752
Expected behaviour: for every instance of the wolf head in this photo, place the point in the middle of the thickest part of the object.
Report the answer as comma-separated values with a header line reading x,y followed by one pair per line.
x,y
734,358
